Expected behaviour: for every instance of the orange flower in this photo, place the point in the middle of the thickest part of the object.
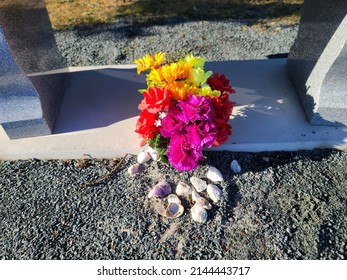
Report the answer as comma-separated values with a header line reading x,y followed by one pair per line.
x,y
180,90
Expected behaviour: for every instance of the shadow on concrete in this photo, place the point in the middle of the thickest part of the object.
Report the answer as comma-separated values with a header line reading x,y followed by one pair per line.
x,y
99,98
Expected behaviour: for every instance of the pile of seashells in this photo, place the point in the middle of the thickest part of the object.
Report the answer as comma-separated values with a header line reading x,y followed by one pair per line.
x,y
192,193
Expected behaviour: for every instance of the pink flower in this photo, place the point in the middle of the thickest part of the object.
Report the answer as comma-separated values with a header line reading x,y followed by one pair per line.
x,y
202,134
191,128
172,123
196,107
182,155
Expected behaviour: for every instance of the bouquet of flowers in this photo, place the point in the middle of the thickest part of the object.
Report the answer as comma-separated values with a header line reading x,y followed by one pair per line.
x,y
184,110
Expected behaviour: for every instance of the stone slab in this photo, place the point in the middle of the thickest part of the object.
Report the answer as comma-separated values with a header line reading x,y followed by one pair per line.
x,y
99,120
317,61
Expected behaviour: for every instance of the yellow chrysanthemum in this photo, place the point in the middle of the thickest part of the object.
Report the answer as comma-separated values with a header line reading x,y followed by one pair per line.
x,y
149,62
169,73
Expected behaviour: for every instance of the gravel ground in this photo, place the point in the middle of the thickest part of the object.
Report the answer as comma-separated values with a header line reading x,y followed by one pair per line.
x,y
283,205
122,43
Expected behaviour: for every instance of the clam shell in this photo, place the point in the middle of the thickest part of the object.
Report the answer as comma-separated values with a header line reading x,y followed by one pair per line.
x,y
214,192
199,214
199,184
214,174
204,203
195,195
172,198
143,157
183,189
198,199
173,210
153,153
160,190
235,167
135,168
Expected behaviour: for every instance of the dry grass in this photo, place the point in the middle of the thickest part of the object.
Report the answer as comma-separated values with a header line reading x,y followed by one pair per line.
x,y
70,13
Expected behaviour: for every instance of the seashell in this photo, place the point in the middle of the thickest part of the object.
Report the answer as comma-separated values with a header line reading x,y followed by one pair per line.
x,y
235,167
153,153
199,214
195,195
172,198
214,174
135,168
197,198
160,190
183,189
143,157
204,203
199,184
173,210
214,192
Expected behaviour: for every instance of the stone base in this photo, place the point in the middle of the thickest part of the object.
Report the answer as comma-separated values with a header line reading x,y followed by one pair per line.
x,y
29,128
99,113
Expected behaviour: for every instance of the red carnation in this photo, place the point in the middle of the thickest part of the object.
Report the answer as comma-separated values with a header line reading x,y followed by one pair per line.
x,y
146,127
222,112
224,130
155,99
220,83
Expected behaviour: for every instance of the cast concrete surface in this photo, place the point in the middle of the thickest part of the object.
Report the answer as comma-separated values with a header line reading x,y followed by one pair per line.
x,y
99,112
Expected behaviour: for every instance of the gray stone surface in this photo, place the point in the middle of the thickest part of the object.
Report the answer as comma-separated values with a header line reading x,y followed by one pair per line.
x,y
20,107
30,36
29,105
317,62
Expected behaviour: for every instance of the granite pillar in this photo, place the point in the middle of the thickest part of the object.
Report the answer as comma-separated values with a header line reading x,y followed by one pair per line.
x,y
29,103
317,62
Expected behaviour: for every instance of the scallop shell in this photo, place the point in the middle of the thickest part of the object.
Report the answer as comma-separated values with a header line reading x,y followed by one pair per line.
x,y
183,189
135,168
143,157
199,184
160,190
235,167
173,210
214,174
214,192
199,214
